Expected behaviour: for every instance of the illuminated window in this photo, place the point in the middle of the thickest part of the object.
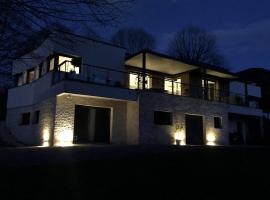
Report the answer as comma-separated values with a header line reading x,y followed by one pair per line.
x,y
133,81
136,81
209,89
168,86
68,64
177,86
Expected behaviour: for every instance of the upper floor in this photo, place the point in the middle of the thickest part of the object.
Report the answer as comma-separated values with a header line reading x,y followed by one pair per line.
x,y
78,61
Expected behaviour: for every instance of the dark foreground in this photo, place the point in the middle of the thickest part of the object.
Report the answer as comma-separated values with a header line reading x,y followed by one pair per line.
x,y
135,172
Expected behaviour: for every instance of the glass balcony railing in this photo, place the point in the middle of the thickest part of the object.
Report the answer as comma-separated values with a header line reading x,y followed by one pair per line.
x,y
134,81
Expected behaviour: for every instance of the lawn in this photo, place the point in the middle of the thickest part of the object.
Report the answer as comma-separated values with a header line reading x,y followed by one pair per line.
x,y
155,172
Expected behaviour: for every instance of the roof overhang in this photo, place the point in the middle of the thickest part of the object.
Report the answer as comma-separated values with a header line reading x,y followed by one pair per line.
x,y
159,63
165,64
220,74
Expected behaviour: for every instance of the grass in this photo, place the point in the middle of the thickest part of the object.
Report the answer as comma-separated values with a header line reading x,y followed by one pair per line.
x,y
179,173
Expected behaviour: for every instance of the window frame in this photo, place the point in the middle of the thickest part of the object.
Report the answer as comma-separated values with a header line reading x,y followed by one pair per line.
x,y
218,124
69,56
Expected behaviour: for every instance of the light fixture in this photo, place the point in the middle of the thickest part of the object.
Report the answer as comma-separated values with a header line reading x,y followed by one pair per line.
x,y
46,138
64,138
179,136
211,138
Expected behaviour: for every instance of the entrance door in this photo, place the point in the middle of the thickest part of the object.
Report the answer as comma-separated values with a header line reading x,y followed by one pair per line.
x,y
91,124
194,130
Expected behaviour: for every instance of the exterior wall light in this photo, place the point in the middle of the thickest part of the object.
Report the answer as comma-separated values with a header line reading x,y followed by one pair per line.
x,y
211,139
46,138
179,136
64,138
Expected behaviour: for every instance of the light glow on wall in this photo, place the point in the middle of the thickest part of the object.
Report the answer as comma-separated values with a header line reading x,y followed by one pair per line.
x,y
180,136
211,138
46,138
64,138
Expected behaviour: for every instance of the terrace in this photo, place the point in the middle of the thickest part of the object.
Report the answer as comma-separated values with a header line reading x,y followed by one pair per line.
x,y
134,79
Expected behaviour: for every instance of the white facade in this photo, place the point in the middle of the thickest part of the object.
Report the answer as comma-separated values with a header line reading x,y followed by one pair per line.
x,y
42,109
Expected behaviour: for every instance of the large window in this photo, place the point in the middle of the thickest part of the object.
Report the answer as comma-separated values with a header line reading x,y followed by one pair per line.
x,y
177,86
168,86
173,86
68,64
209,89
136,81
162,118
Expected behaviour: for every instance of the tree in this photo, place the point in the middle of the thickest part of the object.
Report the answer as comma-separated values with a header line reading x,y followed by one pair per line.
x,y
133,39
20,20
195,45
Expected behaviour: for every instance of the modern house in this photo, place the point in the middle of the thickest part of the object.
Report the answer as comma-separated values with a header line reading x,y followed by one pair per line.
x,y
260,77
245,113
77,90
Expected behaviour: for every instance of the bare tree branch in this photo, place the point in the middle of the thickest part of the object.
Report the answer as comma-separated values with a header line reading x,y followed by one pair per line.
x,y
22,20
195,45
134,39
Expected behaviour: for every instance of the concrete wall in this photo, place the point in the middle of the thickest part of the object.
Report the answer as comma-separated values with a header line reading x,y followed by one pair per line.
x,y
179,106
32,134
122,130
92,52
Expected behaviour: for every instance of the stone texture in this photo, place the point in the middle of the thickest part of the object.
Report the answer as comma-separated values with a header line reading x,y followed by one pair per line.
x,y
65,111
179,106
32,134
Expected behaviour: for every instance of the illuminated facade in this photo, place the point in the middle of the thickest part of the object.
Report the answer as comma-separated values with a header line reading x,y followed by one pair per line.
x,y
86,91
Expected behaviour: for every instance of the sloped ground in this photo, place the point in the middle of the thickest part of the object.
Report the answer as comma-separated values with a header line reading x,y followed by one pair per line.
x,y
135,172
7,139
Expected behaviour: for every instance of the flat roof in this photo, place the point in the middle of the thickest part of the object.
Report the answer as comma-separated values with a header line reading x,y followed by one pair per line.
x,y
170,65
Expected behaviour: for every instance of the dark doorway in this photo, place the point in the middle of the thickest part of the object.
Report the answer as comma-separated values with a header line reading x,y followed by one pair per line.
x,y
91,124
194,130
253,135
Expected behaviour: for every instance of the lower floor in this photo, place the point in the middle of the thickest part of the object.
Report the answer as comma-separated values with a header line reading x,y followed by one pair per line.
x,y
245,129
154,118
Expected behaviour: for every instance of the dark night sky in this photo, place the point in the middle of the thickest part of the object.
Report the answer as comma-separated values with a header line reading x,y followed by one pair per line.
x,y
242,26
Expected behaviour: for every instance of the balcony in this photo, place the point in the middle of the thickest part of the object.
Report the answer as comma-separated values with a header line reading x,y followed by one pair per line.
x,y
140,81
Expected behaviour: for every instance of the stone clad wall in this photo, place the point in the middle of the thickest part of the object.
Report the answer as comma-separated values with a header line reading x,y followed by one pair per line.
x,y
65,111
32,134
179,106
